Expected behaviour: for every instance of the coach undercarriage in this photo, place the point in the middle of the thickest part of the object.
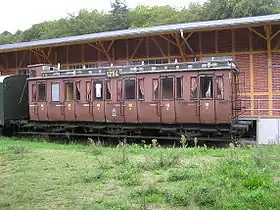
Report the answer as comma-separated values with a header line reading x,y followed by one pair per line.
x,y
119,131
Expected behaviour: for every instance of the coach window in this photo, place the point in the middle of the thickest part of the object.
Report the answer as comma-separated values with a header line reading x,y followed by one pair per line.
x,y
69,91
220,87
119,90
108,90
34,92
155,89
98,90
129,89
167,88
88,91
194,92
141,89
179,87
206,86
55,92
77,91
42,92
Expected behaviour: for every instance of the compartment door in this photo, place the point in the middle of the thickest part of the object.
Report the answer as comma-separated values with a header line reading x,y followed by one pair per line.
x,y
55,105
33,105
84,111
42,107
186,101
223,98
69,104
130,104
114,105
206,98
148,104
98,103
167,99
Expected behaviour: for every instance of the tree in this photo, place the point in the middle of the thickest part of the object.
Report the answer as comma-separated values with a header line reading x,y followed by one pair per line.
x,y
243,8
119,15
221,9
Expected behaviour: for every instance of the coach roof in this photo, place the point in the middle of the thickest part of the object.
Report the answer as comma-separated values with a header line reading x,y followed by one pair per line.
x,y
190,26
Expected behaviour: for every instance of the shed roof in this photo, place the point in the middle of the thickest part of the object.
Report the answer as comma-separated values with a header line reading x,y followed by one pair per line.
x,y
190,26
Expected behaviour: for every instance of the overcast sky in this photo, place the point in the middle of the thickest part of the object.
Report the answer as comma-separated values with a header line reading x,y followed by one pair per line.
x,y
21,14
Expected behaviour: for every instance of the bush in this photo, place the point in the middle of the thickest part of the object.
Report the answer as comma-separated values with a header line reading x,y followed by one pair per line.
x,y
95,147
17,149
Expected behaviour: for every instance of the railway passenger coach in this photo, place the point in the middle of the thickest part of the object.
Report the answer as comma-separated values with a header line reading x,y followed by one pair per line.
x,y
163,101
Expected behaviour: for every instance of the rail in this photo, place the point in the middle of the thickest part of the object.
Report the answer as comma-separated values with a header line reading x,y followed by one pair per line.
x,y
116,70
259,106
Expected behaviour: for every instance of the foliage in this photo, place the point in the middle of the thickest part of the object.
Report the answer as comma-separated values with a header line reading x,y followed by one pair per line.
x,y
121,17
17,149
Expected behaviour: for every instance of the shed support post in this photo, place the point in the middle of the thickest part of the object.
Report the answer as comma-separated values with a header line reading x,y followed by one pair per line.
x,y
251,72
269,64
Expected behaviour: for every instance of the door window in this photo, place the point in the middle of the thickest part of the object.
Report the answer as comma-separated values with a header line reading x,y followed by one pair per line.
x,y
220,87
42,92
39,92
129,89
194,92
206,87
77,91
108,90
179,87
69,91
98,90
167,88
34,92
141,89
155,89
88,91
55,92
119,90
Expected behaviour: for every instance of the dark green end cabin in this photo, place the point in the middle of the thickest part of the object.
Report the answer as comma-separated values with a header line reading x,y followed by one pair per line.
x,y
13,98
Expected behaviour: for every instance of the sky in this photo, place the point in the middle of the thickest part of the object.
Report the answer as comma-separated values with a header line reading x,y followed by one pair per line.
x,y
22,14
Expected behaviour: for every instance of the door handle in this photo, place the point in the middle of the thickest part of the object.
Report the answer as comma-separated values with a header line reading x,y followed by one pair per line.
x,y
158,108
90,108
122,105
62,108
36,109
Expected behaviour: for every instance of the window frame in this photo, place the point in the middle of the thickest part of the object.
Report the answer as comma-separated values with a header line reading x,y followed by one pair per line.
x,y
135,88
197,88
67,82
138,88
38,92
216,87
182,88
161,88
158,89
105,90
75,90
93,83
59,94
120,94
90,94
34,92
200,89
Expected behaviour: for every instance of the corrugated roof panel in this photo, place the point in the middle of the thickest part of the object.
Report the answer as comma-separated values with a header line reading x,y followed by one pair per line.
x,y
145,31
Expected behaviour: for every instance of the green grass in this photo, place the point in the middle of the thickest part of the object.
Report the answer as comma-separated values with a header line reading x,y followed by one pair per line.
x,y
41,175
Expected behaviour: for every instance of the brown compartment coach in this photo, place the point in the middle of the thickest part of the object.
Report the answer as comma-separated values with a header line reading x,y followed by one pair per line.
x,y
197,99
